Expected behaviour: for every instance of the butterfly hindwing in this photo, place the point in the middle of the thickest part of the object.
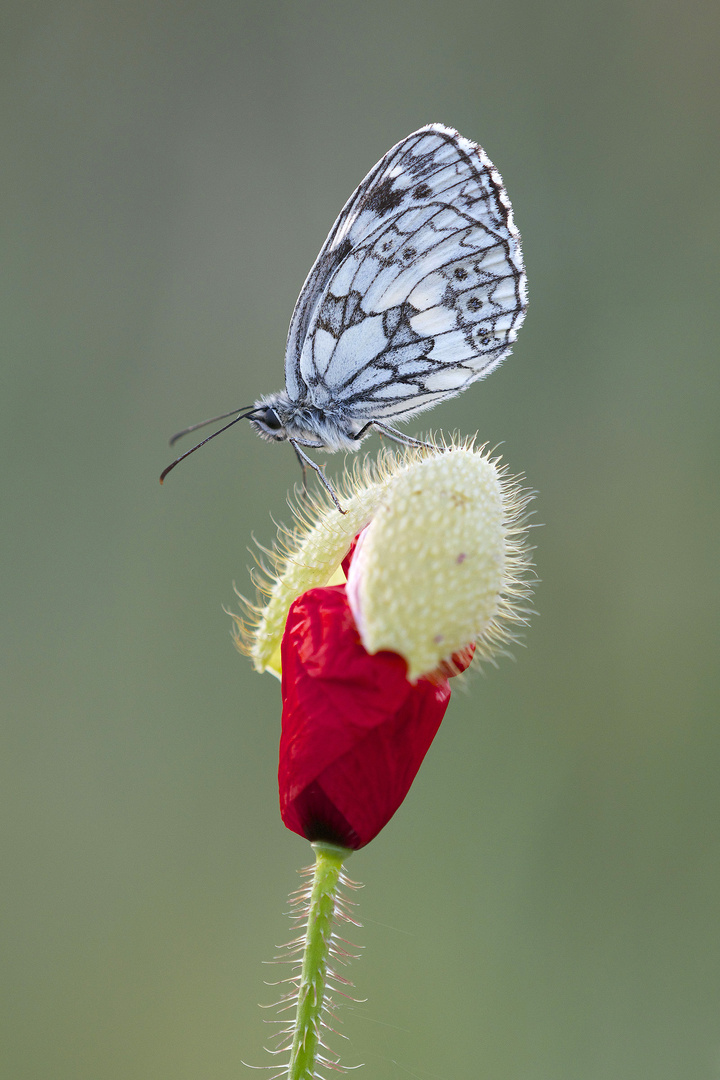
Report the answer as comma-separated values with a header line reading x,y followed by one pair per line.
x,y
419,288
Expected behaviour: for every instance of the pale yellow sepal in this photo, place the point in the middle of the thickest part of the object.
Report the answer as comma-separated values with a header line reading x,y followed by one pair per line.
x,y
430,570
307,557
440,564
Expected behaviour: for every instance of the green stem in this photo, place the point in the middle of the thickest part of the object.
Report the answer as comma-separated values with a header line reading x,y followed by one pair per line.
x,y
311,992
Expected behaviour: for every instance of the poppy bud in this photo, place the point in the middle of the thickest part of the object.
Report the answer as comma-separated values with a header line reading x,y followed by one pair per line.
x,y
433,548
354,728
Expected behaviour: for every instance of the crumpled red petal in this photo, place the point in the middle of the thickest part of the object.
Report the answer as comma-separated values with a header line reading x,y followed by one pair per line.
x,y
354,730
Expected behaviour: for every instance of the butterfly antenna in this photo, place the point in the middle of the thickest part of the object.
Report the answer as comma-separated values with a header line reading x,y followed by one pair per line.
x,y
242,416
204,423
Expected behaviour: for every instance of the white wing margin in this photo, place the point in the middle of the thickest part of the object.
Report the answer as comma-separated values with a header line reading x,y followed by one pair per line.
x,y
418,290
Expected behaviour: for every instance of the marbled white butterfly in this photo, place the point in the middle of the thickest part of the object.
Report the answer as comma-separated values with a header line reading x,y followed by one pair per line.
x,y
418,291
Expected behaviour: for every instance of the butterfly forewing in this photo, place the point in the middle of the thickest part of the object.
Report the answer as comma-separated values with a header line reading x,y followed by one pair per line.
x,y
418,290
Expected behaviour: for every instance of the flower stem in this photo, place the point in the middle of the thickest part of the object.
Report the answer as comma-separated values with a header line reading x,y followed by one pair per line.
x,y
311,992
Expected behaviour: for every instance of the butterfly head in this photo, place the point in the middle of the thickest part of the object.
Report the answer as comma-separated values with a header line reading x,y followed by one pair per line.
x,y
271,417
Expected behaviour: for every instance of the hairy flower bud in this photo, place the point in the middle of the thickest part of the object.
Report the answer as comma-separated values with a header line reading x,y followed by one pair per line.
x,y
441,564
433,547
430,569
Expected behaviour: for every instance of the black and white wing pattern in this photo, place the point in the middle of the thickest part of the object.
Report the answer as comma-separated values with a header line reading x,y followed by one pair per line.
x,y
418,290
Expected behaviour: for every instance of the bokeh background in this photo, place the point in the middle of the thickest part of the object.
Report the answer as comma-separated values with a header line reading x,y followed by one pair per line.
x,y
545,904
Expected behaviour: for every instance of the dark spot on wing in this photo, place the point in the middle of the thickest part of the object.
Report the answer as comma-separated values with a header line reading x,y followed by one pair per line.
x,y
460,274
391,321
422,191
331,315
397,328
338,313
422,165
353,311
383,198
474,304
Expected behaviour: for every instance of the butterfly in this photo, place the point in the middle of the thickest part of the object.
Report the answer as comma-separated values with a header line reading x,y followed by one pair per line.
x,y
418,291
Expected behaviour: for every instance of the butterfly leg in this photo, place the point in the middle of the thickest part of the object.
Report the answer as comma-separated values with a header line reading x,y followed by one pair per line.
x,y
396,436
365,428
305,460
303,466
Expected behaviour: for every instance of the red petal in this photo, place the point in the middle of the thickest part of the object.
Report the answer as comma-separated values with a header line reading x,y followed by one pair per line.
x,y
355,731
349,557
458,662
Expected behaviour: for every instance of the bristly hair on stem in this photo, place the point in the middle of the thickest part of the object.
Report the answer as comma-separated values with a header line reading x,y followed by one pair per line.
x,y
317,909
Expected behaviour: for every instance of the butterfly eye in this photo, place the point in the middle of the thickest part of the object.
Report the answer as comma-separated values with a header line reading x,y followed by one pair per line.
x,y
270,420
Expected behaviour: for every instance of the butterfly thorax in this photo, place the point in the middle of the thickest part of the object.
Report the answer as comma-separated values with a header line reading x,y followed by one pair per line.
x,y
277,418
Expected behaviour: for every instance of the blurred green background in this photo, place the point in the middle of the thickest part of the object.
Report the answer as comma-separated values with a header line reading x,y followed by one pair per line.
x,y
545,904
